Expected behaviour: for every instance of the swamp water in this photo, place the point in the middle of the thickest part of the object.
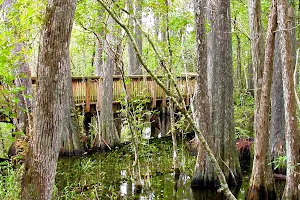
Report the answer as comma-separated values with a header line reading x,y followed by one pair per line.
x,y
108,175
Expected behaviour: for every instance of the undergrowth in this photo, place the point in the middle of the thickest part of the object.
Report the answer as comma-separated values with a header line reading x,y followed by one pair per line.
x,y
10,182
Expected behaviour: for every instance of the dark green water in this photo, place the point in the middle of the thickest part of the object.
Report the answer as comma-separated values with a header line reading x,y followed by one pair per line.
x,y
108,175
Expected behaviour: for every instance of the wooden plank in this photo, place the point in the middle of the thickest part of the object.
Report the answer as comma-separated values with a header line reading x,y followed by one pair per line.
x,y
88,95
99,94
153,93
128,89
164,100
187,98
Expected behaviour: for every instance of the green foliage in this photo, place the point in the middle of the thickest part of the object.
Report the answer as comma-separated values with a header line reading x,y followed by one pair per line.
x,y
244,114
138,114
19,25
6,138
279,162
82,47
10,184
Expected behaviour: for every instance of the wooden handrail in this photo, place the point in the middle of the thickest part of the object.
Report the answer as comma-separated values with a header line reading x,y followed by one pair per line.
x,y
88,90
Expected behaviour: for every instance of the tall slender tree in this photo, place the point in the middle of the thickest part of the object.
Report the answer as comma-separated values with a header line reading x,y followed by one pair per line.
x,y
135,22
277,124
138,34
53,73
107,136
239,77
257,49
292,136
262,182
99,47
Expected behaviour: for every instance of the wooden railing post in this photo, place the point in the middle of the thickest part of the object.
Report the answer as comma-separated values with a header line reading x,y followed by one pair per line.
x,y
88,95
128,89
187,99
99,94
153,93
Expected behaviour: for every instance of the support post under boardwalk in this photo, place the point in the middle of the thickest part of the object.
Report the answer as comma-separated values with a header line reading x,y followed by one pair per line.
x,y
187,92
164,115
155,125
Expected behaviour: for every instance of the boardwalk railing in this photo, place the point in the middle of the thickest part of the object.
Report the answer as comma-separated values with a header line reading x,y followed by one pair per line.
x,y
87,91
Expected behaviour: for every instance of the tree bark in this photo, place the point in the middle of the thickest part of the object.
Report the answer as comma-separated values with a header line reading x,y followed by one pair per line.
x,y
70,138
277,135
174,139
215,115
249,79
107,136
99,48
257,50
228,155
131,55
262,181
220,88
135,10
49,113
239,77
292,137
138,35
204,173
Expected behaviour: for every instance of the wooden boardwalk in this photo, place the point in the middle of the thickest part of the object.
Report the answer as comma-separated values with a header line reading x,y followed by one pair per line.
x,y
87,91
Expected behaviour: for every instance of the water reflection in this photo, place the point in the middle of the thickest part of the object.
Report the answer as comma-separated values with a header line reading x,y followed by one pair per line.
x,y
170,186
108,174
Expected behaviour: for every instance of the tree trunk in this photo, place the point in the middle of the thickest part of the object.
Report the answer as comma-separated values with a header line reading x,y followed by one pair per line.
x,y
215,117
211,46
131,53
262,182
204,173
222,115
249,79
257,50
291,133
98,59
49,113
107,136
70,138
239,77
138,35
277,140
99,45
156,25
135,10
